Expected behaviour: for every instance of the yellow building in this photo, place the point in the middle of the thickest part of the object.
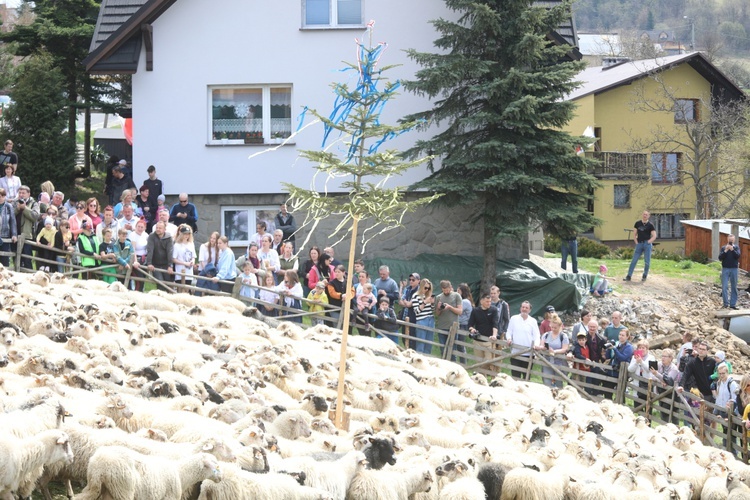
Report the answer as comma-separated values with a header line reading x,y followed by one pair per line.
x,y
624,108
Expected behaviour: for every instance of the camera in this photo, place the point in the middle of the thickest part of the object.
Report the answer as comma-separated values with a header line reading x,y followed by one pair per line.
x,y
688,352
546,345
443,305
608,345
474,335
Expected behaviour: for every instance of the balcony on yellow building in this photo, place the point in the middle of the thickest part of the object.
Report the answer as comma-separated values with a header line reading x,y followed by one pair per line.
x,y
614,165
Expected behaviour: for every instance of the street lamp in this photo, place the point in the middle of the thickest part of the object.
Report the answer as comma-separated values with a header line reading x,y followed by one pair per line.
x,y
692,32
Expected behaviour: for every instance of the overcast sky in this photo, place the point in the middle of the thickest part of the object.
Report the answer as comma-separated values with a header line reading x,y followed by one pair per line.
x,y
11,3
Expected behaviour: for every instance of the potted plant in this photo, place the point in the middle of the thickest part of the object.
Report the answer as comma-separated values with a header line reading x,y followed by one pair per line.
x,y
224,138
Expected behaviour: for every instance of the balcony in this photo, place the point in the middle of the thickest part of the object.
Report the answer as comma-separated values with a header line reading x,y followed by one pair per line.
x,y
626,166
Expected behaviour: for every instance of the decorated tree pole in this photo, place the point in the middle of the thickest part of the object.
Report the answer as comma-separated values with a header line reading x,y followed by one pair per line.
x,y
361,168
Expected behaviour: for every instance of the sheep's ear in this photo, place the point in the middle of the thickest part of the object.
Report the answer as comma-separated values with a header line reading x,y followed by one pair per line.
x,y
62,440
460,467
293,419
208,446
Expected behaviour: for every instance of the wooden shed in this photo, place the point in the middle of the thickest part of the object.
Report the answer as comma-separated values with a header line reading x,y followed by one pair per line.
x,y
698,237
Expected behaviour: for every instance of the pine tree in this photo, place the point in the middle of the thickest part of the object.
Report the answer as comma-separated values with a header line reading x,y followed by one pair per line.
x,y
37,121
498,86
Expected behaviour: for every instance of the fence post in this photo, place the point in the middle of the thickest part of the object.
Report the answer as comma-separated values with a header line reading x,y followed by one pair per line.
x,y
622,383
648,398
448,348
730,414
702,420
19,249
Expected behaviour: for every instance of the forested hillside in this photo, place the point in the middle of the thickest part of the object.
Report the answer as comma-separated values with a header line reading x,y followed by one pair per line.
x,y
721,26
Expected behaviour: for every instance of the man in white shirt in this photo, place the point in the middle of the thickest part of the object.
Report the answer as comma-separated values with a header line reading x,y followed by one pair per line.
x,y
523,333
128,219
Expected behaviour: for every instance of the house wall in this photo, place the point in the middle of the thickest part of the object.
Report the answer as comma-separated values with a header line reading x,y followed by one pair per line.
x,y
432,229
621,127
244,42
241,42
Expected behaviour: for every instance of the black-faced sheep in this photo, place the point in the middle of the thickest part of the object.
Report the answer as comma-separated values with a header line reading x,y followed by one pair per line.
x,y
123,474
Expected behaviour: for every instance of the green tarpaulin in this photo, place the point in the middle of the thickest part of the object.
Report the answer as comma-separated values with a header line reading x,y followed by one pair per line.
x,y
519,280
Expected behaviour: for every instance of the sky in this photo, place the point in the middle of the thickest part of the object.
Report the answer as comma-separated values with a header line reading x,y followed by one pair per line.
x,y
11,3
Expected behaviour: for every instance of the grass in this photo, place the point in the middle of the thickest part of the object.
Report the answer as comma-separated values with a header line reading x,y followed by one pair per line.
x,y
686,269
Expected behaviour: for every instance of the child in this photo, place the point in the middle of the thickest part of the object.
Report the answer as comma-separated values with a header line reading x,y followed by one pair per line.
x,y
365,301
269,296
600,285
291,292
249,281
721,359
107,253
317,298
47,237
386,318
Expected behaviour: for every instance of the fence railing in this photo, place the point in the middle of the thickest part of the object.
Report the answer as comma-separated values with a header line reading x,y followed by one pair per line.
x,y
597,381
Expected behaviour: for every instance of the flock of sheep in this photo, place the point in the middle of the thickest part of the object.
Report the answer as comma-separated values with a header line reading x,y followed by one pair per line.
x,y
155,396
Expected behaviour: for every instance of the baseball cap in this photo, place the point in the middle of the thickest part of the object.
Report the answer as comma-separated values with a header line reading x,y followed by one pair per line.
x,y
122,162
581,333
550,309
415,276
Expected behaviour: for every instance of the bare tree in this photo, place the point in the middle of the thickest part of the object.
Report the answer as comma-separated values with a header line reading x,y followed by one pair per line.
x,y
700,170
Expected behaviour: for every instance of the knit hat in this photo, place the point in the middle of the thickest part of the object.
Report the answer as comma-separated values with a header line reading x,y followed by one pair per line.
x,y
721,355
161,197
49,220
603,268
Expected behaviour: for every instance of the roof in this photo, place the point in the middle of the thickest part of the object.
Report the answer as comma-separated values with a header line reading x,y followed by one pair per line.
x,y
724,226
109,133
598,79
116,44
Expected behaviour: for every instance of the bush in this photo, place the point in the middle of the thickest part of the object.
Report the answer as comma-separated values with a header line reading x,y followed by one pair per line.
x,y
592,249
686,264
698,256
665,255
623,253
551,243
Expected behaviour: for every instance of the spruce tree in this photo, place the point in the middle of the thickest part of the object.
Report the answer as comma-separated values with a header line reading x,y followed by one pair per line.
x,y
498,87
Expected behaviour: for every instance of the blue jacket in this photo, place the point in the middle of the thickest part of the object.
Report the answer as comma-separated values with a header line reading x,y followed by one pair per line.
x,y
620,354
731,259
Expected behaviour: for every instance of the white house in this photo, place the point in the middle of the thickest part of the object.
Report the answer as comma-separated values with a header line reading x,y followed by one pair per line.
x,y
216,83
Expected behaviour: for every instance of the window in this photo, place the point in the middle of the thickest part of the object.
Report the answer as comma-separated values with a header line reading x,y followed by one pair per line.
x,y
238,223
668,225
686,110
665,168
331,13
251,114
622,195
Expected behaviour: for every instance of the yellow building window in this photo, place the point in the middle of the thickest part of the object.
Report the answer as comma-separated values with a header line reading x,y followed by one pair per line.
x,y
686,110
665,168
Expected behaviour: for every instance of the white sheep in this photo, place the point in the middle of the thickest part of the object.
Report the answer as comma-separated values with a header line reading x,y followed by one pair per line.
x,y
527,484
292,424
122,474
390,484
334,477
240,484
22,460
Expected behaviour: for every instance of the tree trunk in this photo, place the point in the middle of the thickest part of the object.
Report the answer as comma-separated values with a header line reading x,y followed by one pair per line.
x,y
489,269
87,144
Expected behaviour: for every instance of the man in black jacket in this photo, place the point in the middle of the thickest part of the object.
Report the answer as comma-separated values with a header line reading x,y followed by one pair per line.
x,y
159,254
698,372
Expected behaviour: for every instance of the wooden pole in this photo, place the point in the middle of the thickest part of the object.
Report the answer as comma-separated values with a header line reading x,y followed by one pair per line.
x,y
338,420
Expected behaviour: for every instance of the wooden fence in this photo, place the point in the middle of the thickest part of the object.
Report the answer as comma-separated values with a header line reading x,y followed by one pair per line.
x,y
712,425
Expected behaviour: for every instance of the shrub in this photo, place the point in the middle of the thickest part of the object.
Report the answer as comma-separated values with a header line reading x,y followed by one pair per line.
x,y
686,264
623,253
665,255
592,249
698,256
552,243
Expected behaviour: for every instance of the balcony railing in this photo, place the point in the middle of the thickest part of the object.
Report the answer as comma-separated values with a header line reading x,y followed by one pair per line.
x,y
632,166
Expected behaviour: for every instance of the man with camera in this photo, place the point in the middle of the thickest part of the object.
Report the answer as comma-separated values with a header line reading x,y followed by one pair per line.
x,y
698,372
448,309
483,326
730,264
27,214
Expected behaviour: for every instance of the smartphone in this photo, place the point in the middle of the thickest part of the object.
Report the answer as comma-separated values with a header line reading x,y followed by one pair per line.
x,y
653,365
546,345
639,353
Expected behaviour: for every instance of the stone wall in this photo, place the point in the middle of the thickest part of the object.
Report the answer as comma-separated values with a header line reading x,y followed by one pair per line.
x,y
431,229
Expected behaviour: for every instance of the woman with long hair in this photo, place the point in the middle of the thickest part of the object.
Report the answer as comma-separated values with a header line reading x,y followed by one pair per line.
x,y
307,266
139,239
208,252
321,271
554,342
63,245
183,255
226,270
290,291
424,309
92,210
77,219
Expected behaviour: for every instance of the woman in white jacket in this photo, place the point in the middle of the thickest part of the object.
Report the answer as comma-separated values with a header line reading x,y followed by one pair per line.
x,y
639,365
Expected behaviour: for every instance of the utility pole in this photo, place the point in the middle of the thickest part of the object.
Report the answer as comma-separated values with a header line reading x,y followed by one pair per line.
x,y
692,32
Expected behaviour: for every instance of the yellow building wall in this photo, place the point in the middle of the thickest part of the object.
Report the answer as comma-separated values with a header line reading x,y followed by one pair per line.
x,y
622,125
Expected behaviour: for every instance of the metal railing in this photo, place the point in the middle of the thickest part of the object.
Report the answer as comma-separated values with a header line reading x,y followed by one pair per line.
x,y
615,165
